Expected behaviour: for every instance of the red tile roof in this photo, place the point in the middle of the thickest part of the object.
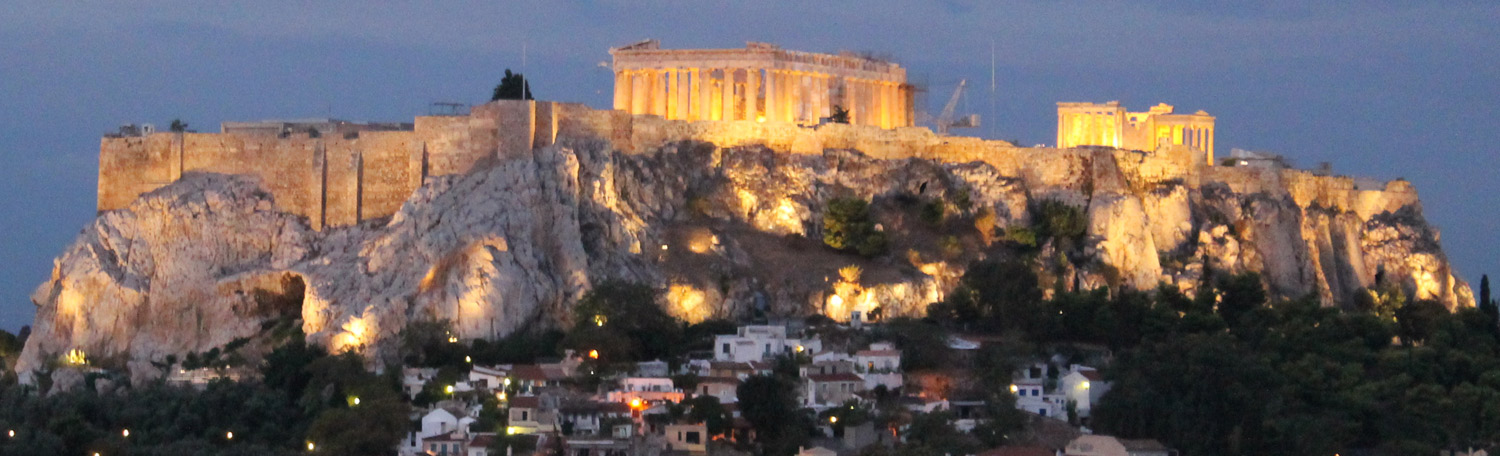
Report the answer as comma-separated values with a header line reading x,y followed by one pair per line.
x,y
878,353
525,402
1092,375
1019,451
529,372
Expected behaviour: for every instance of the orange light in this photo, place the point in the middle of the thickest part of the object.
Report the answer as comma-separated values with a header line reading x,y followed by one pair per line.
x,y
635,403
594,354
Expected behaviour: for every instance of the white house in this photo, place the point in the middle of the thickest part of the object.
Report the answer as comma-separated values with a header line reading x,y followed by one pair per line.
x,y
1031,396
760,343
488,378
413,379
879,365
438,422
1083,386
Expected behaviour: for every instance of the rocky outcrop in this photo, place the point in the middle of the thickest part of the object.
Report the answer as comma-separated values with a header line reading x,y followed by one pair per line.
x,y
722,231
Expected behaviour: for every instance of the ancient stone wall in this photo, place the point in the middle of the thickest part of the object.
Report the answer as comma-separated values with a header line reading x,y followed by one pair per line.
x,y
342,180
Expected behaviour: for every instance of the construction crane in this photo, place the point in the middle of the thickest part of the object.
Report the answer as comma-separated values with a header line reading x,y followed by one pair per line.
x,y
946,121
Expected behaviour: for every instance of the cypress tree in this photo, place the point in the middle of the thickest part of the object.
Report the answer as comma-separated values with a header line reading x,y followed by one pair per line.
x,y
1486,305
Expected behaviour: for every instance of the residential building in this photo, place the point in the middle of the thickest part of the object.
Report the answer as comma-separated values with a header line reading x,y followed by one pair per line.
x,y
760,343
692,438
826,390
1083,386
1103,445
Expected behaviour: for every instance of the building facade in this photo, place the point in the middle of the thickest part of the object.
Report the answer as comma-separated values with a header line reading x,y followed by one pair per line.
x,y
1108,124
761,82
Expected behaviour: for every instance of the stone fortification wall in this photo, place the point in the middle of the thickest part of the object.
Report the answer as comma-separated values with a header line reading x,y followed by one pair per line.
x,y
340,181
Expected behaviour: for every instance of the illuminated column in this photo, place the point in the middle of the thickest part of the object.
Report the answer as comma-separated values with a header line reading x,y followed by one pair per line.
x,y
726,108
1061,126
654,90
772,95
637,92
670,93
1210,150
856,105
690,95
705,94
684,104
814,98
752,93
622,90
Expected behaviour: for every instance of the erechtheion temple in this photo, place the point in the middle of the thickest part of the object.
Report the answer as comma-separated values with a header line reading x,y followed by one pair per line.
x,y
761,82
1107,124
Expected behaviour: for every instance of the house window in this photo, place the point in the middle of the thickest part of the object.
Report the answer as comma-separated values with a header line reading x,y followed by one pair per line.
x,y
525,416
692,437
726,349
1040,411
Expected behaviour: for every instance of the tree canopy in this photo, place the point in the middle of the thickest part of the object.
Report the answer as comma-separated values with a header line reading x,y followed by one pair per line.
x,y
513,86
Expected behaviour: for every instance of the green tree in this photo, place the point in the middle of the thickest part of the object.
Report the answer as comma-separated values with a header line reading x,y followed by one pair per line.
x,y
178,126
769,403
848,226
707,409
513,86
624,322
1488,306
840,115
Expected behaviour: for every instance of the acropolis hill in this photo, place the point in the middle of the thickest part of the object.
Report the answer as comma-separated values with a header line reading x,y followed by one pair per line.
x,y
708,180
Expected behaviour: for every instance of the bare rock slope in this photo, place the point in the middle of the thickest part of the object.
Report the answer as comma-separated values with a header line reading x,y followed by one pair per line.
x,y
723,231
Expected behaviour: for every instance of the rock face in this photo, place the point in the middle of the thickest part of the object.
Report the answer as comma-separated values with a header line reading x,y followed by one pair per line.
x,y
722,231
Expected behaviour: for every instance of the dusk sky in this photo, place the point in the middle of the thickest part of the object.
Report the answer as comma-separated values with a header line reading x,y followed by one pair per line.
x,y
1378,88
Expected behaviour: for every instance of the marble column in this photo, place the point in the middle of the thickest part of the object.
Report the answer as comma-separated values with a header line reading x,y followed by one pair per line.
x,y
694,90
622,90
705,93
637,92
752,93
815,96
772,95
851,100
658,93
684,90
726,108
670,93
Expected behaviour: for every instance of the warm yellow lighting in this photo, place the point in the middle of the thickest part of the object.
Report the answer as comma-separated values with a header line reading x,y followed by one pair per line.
x,y
594,354
500,396
688,303
663,247
229,435
833,419
124,433
835,301
635,403
76,357
1084,385
599,320
800,349
761,119
452,339
468,359
448,389
1014,389
512,430
356,401
507,381
310,446
12,433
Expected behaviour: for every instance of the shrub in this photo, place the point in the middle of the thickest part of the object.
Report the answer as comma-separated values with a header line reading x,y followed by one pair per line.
x,y
933,212
847,226
1058,220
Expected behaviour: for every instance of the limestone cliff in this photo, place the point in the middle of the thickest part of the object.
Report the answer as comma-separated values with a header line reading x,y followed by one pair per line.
x,y
724,231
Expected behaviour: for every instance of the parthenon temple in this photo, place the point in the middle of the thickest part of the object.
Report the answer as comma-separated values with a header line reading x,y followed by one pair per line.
x,y
761,82
1107,124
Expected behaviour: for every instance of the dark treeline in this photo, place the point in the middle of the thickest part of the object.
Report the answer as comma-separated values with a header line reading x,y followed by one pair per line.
x,y
1227,371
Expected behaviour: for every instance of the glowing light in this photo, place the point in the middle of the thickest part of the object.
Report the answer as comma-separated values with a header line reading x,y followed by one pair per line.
x,y
468,359
833,419
835,301
448,389
512,430
761,119
12,433
687,302
635,403
507,381
1084,385
1014,389
800,349
124,433
229,435
311,447
664,247
500,396
356,401
594,354
452,339
600,319
76,357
